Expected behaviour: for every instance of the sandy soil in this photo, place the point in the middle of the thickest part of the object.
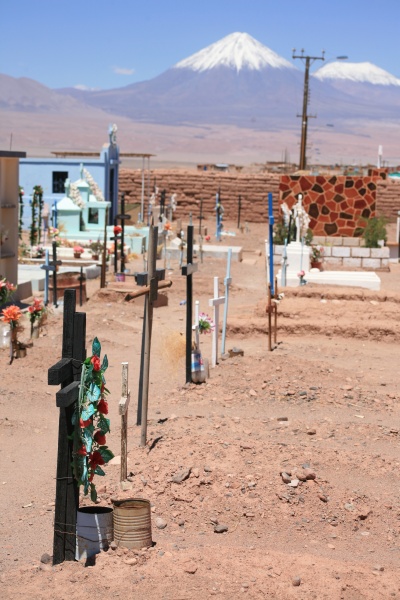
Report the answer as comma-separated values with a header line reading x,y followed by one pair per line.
x,y
325,399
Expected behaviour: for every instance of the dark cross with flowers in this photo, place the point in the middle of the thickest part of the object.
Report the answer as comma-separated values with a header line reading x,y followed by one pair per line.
x,y
187,271
115,239
67,372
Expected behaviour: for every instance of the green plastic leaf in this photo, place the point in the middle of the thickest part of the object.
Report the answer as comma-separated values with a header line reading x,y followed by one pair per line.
x,y
93,493
88,440
93,394
106,454
99,471
104,424
96,347
104,363
88,412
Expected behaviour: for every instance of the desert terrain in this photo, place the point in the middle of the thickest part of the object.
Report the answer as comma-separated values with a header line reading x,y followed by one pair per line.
x,y
325,402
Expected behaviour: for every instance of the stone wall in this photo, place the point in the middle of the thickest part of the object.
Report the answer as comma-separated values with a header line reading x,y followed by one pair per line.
x,y
191,186
336,205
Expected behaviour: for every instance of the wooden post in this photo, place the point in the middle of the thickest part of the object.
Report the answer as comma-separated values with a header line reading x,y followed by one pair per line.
x,y
147,324
215,303
276,313
67,372
269,309
123,411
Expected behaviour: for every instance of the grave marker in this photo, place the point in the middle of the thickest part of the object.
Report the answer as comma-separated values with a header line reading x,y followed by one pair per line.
x,y
51,267
123,217
215,303
187,271
227,283
123,411
67,372
271,222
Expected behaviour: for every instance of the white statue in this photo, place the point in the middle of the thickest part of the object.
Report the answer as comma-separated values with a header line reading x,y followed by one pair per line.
x,y
301,218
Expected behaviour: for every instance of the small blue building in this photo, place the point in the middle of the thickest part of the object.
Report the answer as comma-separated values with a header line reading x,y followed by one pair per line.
x,y
51,174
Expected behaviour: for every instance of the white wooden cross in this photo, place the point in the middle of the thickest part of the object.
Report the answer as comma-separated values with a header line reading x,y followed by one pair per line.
x,y
215,303
123,411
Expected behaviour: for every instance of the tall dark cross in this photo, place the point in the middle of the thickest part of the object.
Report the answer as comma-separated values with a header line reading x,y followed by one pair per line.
x,y
162,206
67,372
115,239
201,217
188,270
123,216
239,210
142,280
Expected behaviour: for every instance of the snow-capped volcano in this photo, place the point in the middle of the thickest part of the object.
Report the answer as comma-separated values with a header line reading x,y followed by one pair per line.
x,y
364,72
236,51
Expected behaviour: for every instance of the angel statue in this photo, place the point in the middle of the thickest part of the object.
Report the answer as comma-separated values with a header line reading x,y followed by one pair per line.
x,y
301,218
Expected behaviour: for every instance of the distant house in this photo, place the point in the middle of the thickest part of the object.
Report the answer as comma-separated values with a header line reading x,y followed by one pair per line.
x,y
51,174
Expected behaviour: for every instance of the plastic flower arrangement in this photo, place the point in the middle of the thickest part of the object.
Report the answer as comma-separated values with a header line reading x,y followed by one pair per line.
x,y
206,325
6,290
117,229
300,275
96,247
317,253
36,310
90,451
78,249
11,315
38,251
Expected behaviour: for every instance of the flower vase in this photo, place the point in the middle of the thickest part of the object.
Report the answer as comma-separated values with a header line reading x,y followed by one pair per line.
x,y
34,332
95,257
316,264
77,254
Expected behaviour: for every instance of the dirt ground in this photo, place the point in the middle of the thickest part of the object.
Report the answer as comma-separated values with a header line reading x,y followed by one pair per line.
x,y
326,399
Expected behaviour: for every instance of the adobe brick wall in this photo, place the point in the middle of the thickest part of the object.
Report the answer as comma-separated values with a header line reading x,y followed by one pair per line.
x,y
191,186
388,198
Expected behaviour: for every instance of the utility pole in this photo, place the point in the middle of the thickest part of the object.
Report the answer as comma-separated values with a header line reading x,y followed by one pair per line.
x,y
308,60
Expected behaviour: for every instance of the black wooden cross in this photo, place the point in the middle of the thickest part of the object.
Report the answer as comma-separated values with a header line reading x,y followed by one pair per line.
x,y
67,372
51,267
123,216
187,271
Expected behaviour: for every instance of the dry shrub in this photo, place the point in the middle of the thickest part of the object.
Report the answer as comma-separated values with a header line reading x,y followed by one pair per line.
x,y
173,347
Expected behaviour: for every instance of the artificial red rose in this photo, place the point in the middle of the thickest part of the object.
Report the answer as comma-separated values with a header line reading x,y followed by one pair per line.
x,y
95,360
102,407
117,229
96,458
82,451
84,424
100,438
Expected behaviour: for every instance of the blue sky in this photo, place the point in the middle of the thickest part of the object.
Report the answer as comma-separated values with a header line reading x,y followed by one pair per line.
x,y
102,44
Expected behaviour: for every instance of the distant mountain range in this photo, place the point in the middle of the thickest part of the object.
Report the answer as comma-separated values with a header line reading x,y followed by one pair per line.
x,y
236,81
240,81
